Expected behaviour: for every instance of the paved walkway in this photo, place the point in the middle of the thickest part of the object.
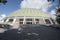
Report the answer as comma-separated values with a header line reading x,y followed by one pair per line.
x,y
32,33
2,30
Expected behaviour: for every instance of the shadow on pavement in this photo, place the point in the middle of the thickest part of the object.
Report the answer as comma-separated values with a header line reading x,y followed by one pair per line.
x,y
31,32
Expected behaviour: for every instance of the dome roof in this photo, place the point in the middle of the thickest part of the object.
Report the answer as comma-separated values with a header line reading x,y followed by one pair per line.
x,y
28,12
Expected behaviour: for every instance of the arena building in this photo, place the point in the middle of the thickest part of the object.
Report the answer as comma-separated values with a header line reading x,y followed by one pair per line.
x,y
28,16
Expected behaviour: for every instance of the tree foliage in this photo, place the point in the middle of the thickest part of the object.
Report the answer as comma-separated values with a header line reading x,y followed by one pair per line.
x,y
58,16
58,20
50,0
3,1
58,10
58,13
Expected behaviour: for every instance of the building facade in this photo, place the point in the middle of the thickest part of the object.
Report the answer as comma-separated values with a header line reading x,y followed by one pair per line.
x,y
28,16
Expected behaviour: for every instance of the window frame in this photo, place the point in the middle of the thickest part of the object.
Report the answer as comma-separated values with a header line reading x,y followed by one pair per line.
x,y
10,20
48,22
21,21
27,20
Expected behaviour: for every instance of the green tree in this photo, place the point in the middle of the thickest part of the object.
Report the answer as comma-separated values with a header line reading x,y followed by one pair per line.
x,y
58,20
58,15
3,1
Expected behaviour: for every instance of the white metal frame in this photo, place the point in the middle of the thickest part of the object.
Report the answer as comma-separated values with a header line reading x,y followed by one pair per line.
x,y
25,17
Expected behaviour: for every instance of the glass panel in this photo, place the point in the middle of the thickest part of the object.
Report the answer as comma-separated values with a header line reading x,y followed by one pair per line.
x,y
41,21
10,20
5,20
28,19
53,21
36,19
48,0
21,22
20,19
47,21
28,22
37,22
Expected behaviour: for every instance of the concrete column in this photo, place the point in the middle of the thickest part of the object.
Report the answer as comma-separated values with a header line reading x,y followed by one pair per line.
x,y
44,21
50,21
14,20
55,22
34,20
2,21
16,23
24,22
7,20
39,20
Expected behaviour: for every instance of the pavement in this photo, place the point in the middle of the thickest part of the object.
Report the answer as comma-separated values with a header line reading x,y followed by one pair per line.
x,y
32,33
2,30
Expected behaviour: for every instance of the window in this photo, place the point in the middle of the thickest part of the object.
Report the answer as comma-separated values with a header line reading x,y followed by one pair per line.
x,y
5,20
28,22
21,22
20,19
28,19
37,21
47,21
41,21
53,21
10,20
50,0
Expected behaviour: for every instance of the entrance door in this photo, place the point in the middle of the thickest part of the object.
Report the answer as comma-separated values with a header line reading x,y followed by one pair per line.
x,y
28,22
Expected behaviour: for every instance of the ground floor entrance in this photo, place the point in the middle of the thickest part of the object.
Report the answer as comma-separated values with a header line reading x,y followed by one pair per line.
x,y
28,20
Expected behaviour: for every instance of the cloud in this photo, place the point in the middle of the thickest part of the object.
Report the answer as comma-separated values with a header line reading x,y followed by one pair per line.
x,y
2,16
52,13
43,5
39,4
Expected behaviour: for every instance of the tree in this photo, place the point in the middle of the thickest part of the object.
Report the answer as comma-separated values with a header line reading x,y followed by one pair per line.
x,y
50,0
58,15
58,20
3,1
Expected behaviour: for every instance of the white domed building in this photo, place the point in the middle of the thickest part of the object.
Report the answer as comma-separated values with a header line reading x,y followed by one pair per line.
x,y
28,16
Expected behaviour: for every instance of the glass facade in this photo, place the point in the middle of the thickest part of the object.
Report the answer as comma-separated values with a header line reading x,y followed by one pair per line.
x,y
31,21
10,20
47,21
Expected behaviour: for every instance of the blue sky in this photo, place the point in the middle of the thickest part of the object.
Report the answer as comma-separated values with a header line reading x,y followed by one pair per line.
x,y
10,6
13,5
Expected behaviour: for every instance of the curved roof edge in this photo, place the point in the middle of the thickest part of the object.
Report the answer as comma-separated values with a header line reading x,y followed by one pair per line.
x,y
28,12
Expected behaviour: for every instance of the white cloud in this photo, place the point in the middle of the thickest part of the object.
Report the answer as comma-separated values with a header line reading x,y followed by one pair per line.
x,y
39,4
2,16
43,5
52,13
